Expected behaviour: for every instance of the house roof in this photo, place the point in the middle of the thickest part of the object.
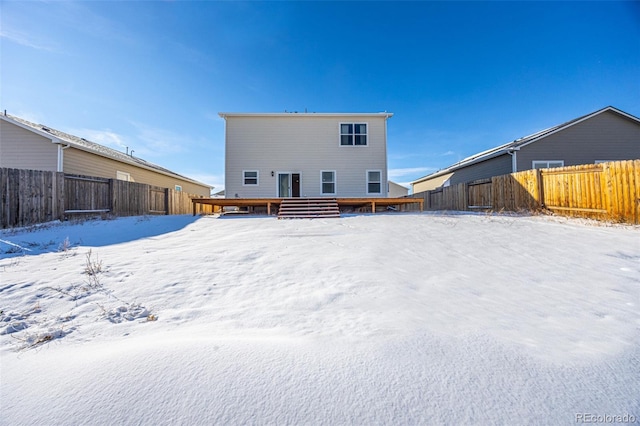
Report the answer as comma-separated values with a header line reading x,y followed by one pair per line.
x,y
83,144
397,184
305,114
519,143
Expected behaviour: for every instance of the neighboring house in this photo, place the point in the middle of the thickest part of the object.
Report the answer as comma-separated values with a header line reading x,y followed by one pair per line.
x,y
397,190
280,155
26,145
604,135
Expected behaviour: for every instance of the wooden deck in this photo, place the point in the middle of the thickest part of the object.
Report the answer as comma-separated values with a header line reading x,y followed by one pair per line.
x,y
271,202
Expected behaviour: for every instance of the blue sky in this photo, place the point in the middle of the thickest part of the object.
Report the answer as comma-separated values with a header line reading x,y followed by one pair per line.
x,y
460,77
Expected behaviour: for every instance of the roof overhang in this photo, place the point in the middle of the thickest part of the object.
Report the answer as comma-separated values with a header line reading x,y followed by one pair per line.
x,y
465,163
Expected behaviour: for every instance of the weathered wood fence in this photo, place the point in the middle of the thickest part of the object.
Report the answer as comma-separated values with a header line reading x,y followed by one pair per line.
x,y
606,191
32,196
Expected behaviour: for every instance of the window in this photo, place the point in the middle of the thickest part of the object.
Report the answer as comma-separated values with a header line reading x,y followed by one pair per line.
x,y
353,134
328,182
547,164
123,176
374,181
249,177
179,188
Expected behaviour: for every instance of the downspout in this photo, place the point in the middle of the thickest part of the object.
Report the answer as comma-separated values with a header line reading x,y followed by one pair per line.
x,y
61,156
514,162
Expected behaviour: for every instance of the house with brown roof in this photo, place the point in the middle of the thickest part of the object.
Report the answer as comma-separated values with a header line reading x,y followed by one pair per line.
x,y
608,134
27,145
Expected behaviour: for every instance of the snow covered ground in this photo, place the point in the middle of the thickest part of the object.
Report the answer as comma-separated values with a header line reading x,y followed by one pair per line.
x,y
373,319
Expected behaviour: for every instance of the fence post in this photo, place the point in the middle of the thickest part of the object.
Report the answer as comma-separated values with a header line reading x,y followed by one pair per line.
x,y
635,195
540,184
112,197
54,196
167,193
465,197
4,198
495,197
59,196
606,187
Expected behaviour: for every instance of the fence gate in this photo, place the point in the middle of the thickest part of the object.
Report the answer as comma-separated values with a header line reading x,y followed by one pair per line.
x,y
479,195
158,200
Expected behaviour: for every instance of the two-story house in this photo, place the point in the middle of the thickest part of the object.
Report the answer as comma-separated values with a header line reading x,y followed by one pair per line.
x,y
305,155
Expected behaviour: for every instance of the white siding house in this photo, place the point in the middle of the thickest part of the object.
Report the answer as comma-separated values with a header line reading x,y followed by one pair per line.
x,y
284,155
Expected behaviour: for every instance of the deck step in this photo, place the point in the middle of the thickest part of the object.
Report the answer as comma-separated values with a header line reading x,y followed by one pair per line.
x,y
308,208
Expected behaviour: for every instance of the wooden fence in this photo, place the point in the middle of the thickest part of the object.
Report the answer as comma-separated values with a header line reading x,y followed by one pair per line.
x,y
30,196
607,191
33,196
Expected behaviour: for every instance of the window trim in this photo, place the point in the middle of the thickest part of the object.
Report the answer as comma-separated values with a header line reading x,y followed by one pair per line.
x,y
353,135
378,182
120,174
244,178
335,182
534,162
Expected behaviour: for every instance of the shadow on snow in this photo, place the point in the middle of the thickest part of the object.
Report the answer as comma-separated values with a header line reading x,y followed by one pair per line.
x,y
61,236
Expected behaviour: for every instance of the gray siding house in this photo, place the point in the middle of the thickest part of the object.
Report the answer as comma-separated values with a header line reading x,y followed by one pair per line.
x,y
281,155
608,134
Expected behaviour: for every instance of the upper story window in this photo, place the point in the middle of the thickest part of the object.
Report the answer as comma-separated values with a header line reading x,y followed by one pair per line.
x,y
547,164
178,188
250,177
353,134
